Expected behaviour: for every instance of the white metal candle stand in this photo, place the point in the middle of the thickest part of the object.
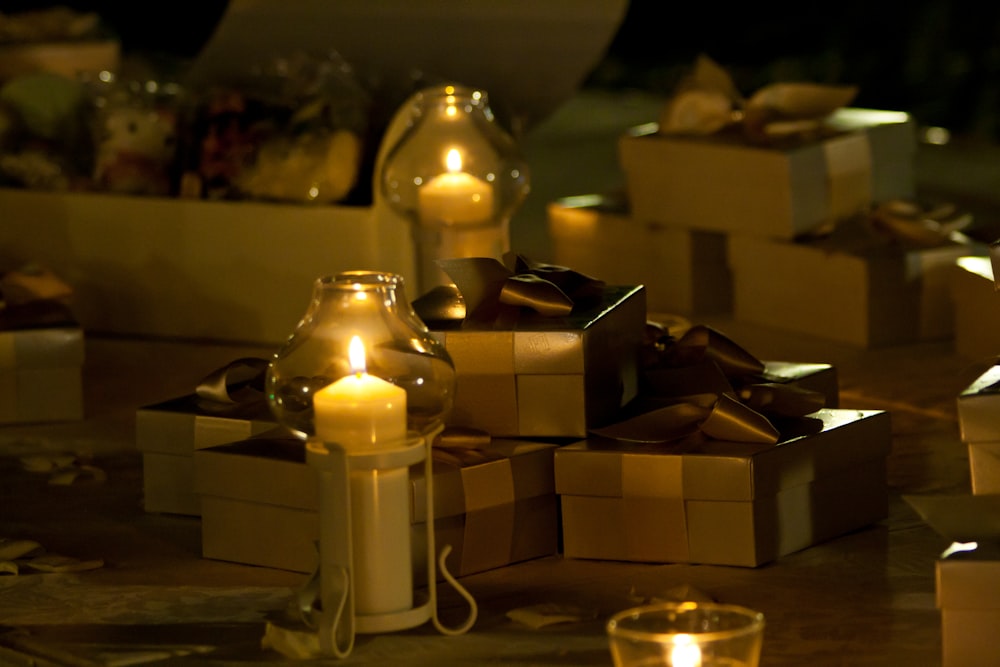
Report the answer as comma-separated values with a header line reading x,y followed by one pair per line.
x,y
335,619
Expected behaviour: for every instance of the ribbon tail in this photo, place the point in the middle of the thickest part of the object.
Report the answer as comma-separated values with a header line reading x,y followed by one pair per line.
x,y
782,399
705,342
661,425
223,385
732,420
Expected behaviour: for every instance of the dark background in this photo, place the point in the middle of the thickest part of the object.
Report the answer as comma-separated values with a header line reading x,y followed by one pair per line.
x,y
938,60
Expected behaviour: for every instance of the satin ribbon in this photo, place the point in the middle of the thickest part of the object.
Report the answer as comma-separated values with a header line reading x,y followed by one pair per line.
x,y
738,406
707,101
240,382
896,222
463,446
495,293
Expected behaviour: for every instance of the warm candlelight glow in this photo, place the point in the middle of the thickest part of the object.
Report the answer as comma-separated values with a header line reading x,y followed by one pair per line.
x,y
453,161
685,652
356,355
360,411
455,197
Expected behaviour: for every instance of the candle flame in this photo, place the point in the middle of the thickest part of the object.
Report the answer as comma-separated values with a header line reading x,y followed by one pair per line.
x,y
685,652
356,355
453,161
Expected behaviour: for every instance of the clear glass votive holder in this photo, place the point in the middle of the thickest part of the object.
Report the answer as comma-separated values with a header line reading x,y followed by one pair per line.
x,y
686,634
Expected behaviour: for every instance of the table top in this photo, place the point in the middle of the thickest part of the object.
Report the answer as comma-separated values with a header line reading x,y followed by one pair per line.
x,y
867,598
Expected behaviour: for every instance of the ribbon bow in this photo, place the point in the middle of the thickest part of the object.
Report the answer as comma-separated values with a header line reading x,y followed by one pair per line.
x,y
238,383
496,293
704,383
707,101
897,222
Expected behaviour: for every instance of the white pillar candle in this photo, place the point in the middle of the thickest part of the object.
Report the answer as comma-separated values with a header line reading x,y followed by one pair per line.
x,y
455,197
361,413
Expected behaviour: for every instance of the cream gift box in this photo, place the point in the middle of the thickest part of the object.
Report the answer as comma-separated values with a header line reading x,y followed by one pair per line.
x,y
967,575
978,408
724,503
976,304
723,183
169,433
41,364
866,296
236,271
542,377
494,506
683,270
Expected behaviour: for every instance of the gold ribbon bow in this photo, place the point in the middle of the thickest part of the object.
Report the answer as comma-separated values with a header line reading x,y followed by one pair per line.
x,y
898,222
238,383
707,101
705,383
496,293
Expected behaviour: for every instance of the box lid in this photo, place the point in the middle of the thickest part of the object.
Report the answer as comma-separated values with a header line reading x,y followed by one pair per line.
x,y
978,416
695,468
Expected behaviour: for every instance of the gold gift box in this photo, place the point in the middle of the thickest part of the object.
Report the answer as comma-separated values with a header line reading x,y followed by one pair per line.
x,y
168,433
967,574
978,408
976,303
888,296
495,506
724,503
723,183
684,270
550,377
968,591
41,374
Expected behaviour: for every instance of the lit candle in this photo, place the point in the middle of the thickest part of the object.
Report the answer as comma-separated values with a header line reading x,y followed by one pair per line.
x,y
685,652
362,412
455,197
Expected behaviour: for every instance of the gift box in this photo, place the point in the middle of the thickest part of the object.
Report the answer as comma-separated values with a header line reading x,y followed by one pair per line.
x,y
550,370
154,266
978,409
716,502
169,433
976,304
494,506
870,293
967,575
724,183
41,363
683,270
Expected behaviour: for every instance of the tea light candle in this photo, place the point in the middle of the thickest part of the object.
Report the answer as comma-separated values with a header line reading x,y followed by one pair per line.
x,y
362,412
455,197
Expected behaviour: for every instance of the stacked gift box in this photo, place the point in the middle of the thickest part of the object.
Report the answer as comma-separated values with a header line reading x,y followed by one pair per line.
x,y
968,571
542,453
812,227
41,349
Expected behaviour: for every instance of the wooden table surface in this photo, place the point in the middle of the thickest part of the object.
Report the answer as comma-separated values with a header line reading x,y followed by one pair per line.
x,y
863,599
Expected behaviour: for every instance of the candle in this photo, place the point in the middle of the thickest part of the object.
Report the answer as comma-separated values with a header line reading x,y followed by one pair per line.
x,y
362,412
455,197
685,652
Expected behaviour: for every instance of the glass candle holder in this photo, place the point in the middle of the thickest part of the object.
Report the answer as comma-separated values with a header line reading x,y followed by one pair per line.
x,y
686,634
457,175
373,307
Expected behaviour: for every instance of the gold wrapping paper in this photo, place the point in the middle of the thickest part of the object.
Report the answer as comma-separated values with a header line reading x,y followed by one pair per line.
x,y
724,502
